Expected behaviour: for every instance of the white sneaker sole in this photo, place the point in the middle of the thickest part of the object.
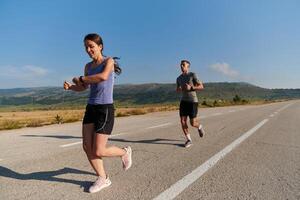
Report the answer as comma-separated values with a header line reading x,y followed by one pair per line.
x,y
130,158
104,186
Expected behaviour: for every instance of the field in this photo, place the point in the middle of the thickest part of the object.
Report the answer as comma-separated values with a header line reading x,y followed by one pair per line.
x,y
35,118
19,117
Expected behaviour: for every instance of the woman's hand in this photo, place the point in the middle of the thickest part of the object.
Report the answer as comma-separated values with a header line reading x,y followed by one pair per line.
x,y
67,85
76,81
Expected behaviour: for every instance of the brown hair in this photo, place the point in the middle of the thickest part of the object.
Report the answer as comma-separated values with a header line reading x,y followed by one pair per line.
x,y
98,40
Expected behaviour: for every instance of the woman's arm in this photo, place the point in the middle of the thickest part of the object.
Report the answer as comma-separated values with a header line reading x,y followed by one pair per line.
x,y
96,78
77,87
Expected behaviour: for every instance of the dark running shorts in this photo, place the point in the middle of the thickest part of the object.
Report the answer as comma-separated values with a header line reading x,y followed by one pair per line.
x,y
102,116
188,109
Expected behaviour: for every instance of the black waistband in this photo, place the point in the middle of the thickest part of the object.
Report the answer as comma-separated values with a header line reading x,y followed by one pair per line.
x,y
111,105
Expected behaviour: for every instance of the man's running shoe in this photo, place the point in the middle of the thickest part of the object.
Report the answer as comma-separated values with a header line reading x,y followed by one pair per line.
x,y
188,143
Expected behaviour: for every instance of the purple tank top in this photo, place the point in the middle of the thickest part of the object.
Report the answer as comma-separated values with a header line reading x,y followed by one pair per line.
x,y
101,93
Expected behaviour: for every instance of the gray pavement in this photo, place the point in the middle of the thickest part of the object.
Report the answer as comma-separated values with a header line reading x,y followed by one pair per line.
x,y
49,163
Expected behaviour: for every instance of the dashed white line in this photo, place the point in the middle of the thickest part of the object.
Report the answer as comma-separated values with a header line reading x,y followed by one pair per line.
x,y
118,134
216,114
115,135
182,184
166,124
71,144
161,125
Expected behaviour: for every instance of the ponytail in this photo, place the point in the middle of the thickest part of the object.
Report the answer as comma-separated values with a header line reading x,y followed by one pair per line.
x,y
117,67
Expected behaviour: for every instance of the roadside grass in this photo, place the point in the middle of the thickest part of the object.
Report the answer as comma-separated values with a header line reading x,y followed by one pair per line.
x,y
34,118
13,120
21,119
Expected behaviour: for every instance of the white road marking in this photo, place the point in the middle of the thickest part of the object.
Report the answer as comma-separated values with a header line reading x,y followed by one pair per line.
x,y
161,125
118,134
271,115
1,159
115,135
71,144
284,107
182,184
216,114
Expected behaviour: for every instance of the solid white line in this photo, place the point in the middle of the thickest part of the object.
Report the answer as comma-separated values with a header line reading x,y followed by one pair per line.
x,y
161,125
71,144
182,184
216,114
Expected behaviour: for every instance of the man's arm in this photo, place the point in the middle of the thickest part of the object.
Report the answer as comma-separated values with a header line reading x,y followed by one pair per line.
x,y
198,86
178,87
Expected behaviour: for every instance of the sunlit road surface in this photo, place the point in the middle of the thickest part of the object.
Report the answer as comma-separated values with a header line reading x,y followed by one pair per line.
x,y
248,152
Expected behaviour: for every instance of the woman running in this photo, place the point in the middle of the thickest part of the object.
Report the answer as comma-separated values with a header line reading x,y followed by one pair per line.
x,y
98,120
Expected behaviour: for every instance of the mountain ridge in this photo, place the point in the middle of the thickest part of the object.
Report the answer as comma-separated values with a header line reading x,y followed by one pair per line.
x,y
147,93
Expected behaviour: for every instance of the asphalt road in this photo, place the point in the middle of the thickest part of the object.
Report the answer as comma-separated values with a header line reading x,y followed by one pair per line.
x,y
249,152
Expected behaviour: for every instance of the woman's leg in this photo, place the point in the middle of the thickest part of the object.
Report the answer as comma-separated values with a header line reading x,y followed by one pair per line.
x,y
101,150
88,142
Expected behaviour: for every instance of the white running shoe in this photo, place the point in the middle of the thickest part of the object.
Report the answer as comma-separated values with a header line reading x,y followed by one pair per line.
x,y
100,184
127,158
201,131
188,143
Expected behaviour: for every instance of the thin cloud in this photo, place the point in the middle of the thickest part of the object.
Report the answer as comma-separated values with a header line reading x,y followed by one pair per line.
x,y
24,73
224,69
34,70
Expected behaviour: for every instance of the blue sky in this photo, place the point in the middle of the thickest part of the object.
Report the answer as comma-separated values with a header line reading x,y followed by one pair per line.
x,y
41,42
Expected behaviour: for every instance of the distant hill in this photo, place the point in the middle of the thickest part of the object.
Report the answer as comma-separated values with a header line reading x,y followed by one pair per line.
x,y
140,94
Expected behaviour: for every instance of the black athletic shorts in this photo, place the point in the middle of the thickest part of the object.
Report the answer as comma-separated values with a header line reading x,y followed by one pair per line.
x,y
102,116
188,109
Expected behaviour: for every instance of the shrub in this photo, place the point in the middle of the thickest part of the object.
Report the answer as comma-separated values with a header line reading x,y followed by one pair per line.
x,y
58,119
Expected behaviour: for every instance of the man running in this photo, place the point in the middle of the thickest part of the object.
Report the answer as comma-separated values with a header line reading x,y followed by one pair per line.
x,y
188,84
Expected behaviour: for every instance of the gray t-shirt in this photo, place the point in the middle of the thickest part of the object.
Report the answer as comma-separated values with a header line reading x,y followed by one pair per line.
x,y
191,79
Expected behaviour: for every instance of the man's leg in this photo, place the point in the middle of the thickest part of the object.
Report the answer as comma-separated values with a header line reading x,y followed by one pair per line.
x,y
193,120
183,120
